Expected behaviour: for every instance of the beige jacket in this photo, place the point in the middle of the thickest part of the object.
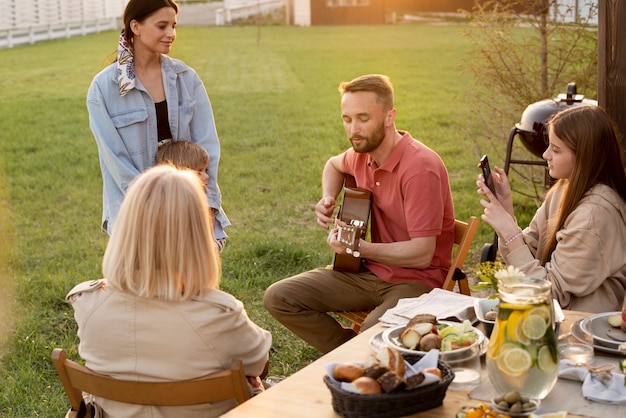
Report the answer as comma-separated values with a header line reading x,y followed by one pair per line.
x,y
588,266
144,339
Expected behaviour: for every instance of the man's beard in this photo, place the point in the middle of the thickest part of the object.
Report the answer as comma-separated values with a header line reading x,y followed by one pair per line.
x,y
372,142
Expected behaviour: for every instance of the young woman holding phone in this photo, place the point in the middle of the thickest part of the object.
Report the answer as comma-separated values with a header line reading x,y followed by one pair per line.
x,y
577,238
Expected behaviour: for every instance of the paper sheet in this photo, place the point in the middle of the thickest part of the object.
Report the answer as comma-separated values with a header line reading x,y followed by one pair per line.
x,y
445,305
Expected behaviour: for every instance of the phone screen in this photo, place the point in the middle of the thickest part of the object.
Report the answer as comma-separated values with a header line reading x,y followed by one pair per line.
x,y
484,165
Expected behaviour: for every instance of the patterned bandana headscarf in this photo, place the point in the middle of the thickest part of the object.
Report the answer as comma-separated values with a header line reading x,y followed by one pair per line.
x,y
125,66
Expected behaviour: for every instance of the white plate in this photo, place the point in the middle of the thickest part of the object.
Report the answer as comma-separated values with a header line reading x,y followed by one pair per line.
x,y
579,333
391,337
376,342
597,326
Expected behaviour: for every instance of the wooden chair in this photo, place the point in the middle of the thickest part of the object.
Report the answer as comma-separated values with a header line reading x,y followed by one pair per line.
x,y
215,387
464,233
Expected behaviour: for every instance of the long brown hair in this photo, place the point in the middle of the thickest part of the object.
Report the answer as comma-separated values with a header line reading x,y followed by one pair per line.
x,y
591,134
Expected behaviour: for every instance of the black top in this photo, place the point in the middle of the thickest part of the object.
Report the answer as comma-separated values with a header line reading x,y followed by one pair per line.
x,y
163,125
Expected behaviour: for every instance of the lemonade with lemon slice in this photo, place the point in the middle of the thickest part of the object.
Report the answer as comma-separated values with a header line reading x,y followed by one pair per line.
x,y
522,354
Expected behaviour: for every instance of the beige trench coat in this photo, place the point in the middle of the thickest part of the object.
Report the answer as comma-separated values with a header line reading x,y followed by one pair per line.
x,y
128,337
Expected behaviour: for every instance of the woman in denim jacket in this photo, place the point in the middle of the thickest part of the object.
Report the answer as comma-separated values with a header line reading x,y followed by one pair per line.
x,y
146,98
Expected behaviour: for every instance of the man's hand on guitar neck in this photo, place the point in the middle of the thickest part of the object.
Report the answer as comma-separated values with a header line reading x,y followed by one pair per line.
x,y
324,210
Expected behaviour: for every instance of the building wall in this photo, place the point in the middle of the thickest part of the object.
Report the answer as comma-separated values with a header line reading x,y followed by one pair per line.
x,y
428,6
372,12
318,12
299,12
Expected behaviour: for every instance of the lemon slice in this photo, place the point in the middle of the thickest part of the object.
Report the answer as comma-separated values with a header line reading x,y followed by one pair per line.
x,y
515,361
520,335
512,323
542,311
513,307
507,346
560,414
545,361
534,326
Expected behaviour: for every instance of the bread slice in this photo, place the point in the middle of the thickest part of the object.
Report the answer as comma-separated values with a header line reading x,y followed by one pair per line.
x,y
393,360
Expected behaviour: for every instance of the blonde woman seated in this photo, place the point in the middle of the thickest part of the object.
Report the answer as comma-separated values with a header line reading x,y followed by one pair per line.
x,y
577,238
159,314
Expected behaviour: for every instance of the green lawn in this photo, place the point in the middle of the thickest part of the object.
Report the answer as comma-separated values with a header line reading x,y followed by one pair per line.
x,y
274,92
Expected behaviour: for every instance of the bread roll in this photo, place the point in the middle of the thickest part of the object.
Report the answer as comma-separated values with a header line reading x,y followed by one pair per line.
x,y
367,385
433,370
420,318
430,342
347,372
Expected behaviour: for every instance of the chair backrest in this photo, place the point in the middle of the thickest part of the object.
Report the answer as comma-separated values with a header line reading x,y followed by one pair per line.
x,y
464,233
215,387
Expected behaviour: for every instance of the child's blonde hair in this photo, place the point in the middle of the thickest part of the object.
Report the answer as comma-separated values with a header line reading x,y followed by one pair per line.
x,y
183,154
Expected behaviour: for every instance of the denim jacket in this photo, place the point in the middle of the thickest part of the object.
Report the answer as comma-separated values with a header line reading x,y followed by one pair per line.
x,y
125,129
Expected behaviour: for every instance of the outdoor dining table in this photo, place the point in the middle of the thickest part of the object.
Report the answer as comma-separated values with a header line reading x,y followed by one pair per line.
x,y
304,393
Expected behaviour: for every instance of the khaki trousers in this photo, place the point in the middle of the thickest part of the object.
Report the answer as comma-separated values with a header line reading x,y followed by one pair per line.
x,y
302,302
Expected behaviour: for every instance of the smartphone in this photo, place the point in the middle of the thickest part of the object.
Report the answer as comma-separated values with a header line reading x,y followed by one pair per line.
x,y
484,165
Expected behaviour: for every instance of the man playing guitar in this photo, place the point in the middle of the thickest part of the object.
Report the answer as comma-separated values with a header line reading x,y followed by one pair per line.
x,y
412,223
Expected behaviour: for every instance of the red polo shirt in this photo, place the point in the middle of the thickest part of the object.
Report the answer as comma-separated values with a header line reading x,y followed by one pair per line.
x,y
411,198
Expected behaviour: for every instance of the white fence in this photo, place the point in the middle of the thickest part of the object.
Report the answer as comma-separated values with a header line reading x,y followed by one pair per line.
x,y
29,21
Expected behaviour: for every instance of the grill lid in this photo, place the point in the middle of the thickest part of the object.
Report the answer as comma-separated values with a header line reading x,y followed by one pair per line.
x,y
532,126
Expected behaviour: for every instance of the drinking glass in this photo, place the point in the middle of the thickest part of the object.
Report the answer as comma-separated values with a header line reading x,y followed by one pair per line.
x,y
523,354
466,366
575,350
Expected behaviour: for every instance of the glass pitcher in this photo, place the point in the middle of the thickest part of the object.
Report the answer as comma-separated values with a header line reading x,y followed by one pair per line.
x,y
523,351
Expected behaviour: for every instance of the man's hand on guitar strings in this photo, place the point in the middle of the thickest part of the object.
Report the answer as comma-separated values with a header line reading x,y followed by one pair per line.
x,y
324,211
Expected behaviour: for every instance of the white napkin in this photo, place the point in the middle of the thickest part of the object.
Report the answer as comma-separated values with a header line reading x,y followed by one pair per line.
x,y
441,303
429,360
610,391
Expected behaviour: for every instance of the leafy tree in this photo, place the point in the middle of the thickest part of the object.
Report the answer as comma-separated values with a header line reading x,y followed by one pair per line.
x,y
526,51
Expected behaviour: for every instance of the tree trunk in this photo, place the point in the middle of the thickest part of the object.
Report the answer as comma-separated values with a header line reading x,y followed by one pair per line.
x,y
543,33
612,62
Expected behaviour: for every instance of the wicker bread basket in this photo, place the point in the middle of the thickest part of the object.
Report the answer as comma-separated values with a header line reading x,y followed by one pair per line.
x,y
389,405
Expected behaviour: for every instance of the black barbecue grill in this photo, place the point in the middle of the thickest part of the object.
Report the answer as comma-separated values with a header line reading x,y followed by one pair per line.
x,y
532,128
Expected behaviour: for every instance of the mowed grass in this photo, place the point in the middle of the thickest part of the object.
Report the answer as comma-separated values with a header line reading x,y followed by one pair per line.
x,y
274,93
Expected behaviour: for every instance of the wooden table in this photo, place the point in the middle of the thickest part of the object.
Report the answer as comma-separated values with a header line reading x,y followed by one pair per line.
x,y
304,394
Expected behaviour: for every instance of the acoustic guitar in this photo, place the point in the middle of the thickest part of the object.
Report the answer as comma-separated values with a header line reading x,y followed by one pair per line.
x,y
355,212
